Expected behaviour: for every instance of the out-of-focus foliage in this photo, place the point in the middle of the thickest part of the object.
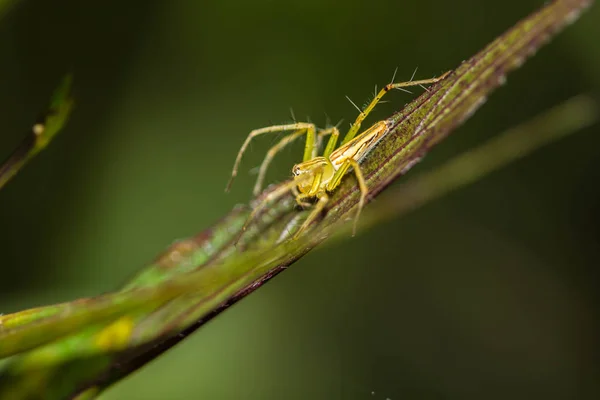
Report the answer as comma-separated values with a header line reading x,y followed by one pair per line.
x,y
166,93
41,133
5,5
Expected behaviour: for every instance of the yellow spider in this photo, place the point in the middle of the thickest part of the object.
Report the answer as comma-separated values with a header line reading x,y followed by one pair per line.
x,y
317,175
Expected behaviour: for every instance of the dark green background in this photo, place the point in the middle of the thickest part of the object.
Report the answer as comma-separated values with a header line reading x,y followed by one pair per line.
x,y
489,293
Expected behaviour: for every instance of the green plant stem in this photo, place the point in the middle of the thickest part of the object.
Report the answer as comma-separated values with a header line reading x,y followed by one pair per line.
x,y
569,117
178,293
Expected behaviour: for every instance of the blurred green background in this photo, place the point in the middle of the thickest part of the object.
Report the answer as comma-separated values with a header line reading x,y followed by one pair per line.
x,y
491,292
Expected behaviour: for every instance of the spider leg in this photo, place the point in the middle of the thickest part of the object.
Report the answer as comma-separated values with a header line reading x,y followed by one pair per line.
x,y
318,208
363,114
308,128
335,134
269,157
362,184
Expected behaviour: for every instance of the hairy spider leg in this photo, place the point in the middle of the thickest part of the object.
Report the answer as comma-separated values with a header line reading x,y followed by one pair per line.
x,y
334,132
300,126
362,184
363,114
300,198
269,157
322,199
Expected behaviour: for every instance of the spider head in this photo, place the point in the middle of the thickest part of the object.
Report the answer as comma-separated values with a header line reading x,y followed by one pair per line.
x,y
313,175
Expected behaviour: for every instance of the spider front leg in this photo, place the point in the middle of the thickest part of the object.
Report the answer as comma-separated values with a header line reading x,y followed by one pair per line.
x,y
363,114
300,198
322,199
300,127
362,184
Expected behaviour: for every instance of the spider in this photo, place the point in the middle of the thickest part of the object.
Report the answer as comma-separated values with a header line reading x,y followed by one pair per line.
x,y
316,176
